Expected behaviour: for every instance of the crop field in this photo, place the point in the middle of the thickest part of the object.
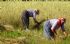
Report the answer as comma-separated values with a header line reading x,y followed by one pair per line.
x,y
11,29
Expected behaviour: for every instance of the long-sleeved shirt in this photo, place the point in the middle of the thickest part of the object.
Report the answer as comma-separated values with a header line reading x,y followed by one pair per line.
x,y
32,13
56,23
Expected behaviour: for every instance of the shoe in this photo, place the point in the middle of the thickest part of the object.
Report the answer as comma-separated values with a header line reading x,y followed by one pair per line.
x,y
27,30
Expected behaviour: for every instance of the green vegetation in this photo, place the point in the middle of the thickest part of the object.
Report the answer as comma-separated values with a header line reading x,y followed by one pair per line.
x,y
10,18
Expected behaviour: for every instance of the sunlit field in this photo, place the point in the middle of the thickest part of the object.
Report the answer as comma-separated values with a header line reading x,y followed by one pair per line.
x,y
11,29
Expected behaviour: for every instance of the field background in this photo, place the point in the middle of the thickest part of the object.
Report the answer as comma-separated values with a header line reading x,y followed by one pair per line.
x,y
11,28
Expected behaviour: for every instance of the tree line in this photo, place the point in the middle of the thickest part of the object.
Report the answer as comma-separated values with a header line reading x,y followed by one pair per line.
x,y
34,0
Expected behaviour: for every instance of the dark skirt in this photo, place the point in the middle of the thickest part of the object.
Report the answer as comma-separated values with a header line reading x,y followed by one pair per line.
x,y
25,19
47,30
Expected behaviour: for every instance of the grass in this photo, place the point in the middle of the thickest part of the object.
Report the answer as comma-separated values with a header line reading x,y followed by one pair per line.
x,y
10,14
